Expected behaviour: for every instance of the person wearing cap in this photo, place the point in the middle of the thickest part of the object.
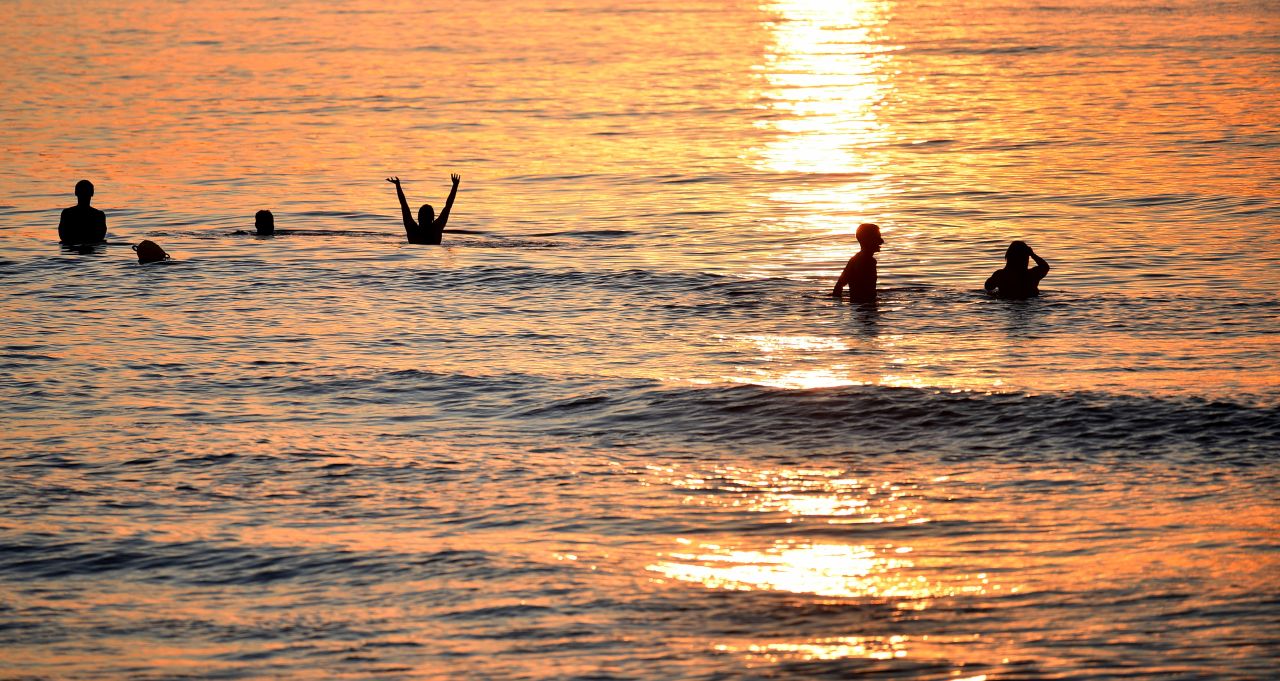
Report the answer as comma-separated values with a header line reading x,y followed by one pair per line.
x,y
1015,280
82,223
860,272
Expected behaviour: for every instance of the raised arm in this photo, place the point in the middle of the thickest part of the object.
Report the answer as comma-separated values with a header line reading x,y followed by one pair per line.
x,y
1041,268
1040,262
409,224
444,213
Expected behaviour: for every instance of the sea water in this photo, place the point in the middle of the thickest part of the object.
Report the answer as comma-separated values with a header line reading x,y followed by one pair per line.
x,y
618,428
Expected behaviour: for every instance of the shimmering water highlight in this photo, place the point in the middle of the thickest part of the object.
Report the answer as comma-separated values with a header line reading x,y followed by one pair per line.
x,y
616,429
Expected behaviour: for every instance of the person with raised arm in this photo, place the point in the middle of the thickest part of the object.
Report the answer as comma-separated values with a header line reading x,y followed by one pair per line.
x,y
1015,280
82,223
429,229
860,272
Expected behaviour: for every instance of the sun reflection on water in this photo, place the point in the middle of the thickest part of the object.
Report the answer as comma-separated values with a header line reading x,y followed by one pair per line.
x,y
812,494
770,343
873,560
836,648
825,79
805,362
821,568
830,570
883,648
773,348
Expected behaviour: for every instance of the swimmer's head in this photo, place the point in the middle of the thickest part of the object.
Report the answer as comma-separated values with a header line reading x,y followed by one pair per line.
x,y
149,251
1017,254
84,190
264,222
426,215
869,237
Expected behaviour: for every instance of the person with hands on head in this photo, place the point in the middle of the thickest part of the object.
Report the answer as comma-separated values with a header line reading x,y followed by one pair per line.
x,y
1015,280
429,229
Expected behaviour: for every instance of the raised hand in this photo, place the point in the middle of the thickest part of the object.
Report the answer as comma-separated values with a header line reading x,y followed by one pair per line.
x,y
456,178
394,180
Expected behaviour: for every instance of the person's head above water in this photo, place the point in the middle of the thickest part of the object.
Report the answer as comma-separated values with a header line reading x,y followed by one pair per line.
x,y
869,238
1017,255
84,191
426,215
149,251
264,222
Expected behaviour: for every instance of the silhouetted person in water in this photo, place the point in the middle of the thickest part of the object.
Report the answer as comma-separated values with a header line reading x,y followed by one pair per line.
x,y
82,223
149,251
428,229
860,272
264,222
1015,280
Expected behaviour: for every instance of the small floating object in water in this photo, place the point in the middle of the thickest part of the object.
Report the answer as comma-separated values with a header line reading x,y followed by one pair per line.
x,y
150,251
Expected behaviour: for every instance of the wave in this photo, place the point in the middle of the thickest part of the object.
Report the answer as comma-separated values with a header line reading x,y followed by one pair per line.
x,y
502,242
956,47
453,237
204,563
219,234
589,233
881,419
868,419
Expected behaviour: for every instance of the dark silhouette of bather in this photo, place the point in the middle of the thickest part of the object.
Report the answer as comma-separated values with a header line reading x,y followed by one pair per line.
x,y
264,222
1016,281
428,229
149,251
860,272
82,223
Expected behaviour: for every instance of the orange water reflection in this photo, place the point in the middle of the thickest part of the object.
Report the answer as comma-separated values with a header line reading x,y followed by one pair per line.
x,y
803,362
843,647
879,648
823,494
882,571
824,80
828,537
825,77
777,354
827,570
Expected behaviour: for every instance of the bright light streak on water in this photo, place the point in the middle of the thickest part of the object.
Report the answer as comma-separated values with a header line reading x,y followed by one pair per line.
x,y
617,428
